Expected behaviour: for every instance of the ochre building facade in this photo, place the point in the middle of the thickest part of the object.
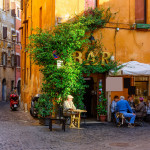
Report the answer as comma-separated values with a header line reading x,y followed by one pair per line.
x,y
121,36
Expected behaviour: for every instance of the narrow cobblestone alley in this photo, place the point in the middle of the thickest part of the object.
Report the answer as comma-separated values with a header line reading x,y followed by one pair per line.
x,y
19,131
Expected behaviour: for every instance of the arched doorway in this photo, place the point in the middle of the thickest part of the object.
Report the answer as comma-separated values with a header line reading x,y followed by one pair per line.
x,y
19,87
4,90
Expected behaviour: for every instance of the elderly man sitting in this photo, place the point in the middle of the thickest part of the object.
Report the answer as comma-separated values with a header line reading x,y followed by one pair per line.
x,y
68,107
68,104
124,107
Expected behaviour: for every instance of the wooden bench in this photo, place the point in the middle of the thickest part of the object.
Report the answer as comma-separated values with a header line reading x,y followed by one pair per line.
x,y
61,120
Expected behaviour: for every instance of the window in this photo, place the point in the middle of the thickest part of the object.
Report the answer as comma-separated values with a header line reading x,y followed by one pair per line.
x,y
12,33
18,13
17,37
9,53
13,9
4,58
21,4
140,11
18,60
13,60
4,32
6,5
3,5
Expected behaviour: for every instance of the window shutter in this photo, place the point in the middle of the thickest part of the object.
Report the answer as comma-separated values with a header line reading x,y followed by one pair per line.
x,y
7,5
15,60
2,57
17,37
140,11
12,64
4,32
13,9
21,5
19,61
5,59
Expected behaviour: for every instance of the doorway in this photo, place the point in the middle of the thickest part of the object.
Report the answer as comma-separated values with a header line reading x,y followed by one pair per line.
x,y
4,90
90,98
19,87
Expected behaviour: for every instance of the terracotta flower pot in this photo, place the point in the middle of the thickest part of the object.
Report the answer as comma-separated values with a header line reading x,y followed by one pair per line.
x,y
103,118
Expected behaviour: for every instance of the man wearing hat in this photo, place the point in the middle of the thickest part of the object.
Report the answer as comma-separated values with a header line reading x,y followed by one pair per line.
x,y
141,108
69,105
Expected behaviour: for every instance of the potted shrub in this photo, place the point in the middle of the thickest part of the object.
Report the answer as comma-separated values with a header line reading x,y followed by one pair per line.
x,y
101,107
44,108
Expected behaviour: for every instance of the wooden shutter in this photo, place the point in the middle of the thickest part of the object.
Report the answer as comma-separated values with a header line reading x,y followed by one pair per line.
x,y
4,32
12,60
19,61
140,11
21,5
2,57
13,9
5,59
15,60
7,5
17,37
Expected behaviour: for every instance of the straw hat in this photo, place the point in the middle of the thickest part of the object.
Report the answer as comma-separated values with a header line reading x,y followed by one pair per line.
x,y
69,96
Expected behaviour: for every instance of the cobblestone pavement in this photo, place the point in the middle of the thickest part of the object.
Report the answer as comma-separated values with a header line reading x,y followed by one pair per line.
x,y
19,131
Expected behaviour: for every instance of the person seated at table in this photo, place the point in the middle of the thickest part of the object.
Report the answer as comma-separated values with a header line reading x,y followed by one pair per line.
x,y
141,108
69,106
113,107
131,103
123,107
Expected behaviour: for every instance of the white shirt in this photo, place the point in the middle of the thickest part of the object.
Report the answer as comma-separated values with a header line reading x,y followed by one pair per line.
x,y
68,105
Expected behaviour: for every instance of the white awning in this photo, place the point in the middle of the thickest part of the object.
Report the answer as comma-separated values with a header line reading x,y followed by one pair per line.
x,y
133,68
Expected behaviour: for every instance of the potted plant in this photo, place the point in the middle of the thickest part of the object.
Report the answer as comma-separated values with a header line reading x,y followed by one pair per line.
x,y
101,107
44,108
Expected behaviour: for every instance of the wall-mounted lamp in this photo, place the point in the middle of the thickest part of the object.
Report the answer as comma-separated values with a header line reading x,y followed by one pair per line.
x,y
117,29
112,58
14,37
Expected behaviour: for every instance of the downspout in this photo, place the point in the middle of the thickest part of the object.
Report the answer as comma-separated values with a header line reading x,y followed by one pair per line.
x,y
15,47
31,34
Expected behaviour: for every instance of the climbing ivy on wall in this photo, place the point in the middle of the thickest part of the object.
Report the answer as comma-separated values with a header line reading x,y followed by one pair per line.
x,y
61,43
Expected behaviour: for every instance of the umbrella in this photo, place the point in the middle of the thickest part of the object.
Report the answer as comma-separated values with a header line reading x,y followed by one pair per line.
x,y
133,68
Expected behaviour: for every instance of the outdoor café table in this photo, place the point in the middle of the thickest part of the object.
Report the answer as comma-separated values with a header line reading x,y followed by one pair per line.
x,y
76,112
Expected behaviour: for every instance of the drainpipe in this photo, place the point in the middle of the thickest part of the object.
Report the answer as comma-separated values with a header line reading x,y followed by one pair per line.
x,y
31,34
15,47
